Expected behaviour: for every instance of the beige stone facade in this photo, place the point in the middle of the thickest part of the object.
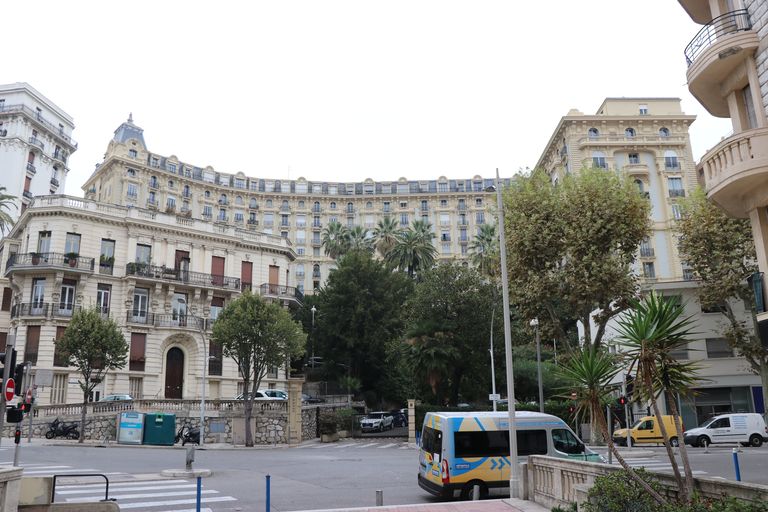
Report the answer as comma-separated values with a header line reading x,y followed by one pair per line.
x,y
163,278
646,139
297,210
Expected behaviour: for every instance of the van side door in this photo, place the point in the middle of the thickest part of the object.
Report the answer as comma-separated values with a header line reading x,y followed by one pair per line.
x,y
720,430
646,432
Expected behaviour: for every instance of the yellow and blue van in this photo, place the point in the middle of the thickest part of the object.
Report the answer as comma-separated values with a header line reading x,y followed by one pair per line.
x,y
459,450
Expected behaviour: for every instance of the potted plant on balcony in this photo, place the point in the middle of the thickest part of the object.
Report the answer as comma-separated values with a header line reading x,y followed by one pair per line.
x,y
35,258
106,261
71,258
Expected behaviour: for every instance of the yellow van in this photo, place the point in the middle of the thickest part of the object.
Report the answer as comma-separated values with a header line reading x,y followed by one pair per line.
x,y
646,431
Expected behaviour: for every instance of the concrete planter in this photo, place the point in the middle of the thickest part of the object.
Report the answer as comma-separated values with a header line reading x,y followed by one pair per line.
x,y
329,438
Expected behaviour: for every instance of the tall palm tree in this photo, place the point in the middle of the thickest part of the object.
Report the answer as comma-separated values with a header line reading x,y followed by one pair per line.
x,y
432,357
424,229
335,239
412,253
589,373
650,332
385,235
6,202
485,250
359,239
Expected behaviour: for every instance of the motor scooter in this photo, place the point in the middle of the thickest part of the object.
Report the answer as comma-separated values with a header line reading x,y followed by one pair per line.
x,y
187,435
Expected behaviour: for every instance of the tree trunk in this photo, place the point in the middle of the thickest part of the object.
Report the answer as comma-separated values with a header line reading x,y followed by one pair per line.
x,y
83,414
683,450
248,406
655,405
604,428
587,331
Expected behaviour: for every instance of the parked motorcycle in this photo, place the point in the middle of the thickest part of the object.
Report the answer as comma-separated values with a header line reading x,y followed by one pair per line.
x,y
59,428
187,435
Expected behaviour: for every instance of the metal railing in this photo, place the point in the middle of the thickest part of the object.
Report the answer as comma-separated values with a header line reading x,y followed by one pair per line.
x,y
167,320
36,116
182,276
647,252
278,290
30,309
31,167
50,260
728,23
676,192
36,142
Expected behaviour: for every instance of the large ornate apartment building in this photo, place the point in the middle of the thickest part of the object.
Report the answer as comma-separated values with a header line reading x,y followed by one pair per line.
x,y
296,210
162,246
35,143
728,73
646,139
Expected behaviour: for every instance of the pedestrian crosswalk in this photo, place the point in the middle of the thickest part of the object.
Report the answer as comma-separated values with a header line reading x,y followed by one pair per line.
x,y
49,470
162,495
653,464
359,444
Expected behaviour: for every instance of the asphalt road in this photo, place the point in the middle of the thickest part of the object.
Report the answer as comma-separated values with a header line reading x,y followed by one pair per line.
x,y
312,476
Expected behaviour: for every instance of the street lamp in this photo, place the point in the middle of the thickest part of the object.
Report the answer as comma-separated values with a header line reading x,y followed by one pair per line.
x,y
535,325
493,369
313,337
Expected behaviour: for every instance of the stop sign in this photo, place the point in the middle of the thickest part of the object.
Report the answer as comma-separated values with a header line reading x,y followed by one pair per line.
x,y
10,388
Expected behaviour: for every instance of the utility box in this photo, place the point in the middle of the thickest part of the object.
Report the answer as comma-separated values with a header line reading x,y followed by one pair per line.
x,y
130,427
159,429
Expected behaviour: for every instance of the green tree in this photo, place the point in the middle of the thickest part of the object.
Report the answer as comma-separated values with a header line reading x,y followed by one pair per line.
x,y
94,345
721,252
6,202
570,247
257,335
449,314
650,332
484,251
335,239
385,235
359,310
413,253
589,372
359,240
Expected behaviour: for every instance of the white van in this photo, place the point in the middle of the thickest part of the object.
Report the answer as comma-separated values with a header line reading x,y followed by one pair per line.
x,y
746,428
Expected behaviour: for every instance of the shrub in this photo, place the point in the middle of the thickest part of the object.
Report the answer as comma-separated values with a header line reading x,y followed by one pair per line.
x,y
328,423
345,419
618,492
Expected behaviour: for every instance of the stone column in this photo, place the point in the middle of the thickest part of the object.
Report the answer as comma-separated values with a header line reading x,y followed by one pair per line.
x,y
294,410
411,420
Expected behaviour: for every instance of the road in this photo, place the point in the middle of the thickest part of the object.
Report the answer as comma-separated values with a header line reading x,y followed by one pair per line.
x,y
311,476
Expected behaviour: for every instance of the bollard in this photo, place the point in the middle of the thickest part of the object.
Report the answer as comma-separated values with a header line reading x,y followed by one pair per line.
x,y
736,464
190,457
268,495
706,446
379,498
476,493
199,493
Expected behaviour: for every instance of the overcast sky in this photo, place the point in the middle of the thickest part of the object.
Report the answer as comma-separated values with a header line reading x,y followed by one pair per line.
x,y
345,90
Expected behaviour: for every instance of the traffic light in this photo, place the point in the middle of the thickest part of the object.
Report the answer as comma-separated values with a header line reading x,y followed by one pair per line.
x,y
11,364
13,415
18,377
571,409
622,400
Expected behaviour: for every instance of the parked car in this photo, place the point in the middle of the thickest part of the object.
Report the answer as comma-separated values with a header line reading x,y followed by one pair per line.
x,y
376,421
265,394
115,398
399,418
746,428
311,399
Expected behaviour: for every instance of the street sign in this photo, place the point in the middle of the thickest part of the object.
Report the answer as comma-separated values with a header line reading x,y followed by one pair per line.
x,y
494,397
10,388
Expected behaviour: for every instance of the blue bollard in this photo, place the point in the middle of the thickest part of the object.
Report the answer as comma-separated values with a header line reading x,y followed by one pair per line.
x,y
268,478
199,492
736,464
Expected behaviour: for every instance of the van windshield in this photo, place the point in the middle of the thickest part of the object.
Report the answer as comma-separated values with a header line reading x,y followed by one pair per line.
x,y
432,440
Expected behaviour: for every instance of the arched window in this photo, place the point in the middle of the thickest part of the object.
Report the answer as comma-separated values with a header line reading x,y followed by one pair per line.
x,y
629,132
253,203
284,206
663,132
593,133
186,191
269,203
333,205
170,183
368,205
598,160
670,160
316,207
316,271
301,204
207,194
238,200
350,208
223,199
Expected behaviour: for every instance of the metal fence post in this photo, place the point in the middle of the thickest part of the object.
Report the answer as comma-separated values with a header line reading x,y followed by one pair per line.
x,y
268,492
736,464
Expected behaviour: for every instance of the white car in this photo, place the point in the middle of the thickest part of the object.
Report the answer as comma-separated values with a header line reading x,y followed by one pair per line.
x,y
746,428
266,394
377,421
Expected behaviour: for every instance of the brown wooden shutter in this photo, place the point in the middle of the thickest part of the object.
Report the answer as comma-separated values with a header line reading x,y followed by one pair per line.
x,y
138,349
7,296
58,358
32,344
217,270
246,275
180,255
3,341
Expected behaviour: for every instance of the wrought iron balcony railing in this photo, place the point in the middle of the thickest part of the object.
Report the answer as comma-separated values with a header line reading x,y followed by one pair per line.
x,y
182,276
49,260
725,24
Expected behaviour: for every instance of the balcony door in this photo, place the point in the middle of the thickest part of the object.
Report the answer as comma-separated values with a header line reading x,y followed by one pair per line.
x,y
182,265
179,309
140,305
274,278
38,297
217,270
67,298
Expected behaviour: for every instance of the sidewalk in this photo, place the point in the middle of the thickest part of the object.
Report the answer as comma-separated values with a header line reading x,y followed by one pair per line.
x,y
503,505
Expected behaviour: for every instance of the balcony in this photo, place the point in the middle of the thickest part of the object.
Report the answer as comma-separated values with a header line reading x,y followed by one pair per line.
x,y
181,321
638,170
54,182
185,277
736,170
647,252
253,222
288,293
317,209
31,168
36,142
154,184
27,194
316,242
64,310
637,140
676,193
33,309
151,203
48,261
59,156
715,53
317,225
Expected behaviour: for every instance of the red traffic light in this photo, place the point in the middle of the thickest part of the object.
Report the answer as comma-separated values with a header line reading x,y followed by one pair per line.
x,y
571,409
622,400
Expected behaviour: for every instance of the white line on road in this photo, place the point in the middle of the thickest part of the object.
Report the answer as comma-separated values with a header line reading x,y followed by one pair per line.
x,y
59,471
123,484
345,445
367,445
145,495
131,489
147,504
190,510
387,445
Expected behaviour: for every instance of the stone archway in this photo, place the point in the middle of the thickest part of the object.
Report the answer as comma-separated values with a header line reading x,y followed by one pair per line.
x,y
174,373
178,353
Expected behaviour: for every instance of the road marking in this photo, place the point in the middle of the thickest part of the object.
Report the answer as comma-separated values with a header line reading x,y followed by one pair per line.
x,y
142,496
120,485
59,471
124,506
387,445
367,445
345,445
125,489
318,446
189,510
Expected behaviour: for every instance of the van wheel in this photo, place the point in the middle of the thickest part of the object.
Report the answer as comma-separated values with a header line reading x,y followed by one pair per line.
x,y
703,441
466,491
674,442
756,441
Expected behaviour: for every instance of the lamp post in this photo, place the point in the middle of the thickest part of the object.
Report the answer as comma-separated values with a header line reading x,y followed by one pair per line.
x,y
313,337
493,369
535,325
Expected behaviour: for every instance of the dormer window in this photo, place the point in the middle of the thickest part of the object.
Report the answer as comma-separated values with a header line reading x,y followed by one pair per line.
x,y
629,133
593,133
663,132
133,153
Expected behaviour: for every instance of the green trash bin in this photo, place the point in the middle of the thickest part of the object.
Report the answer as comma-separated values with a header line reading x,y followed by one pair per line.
x,y
159,429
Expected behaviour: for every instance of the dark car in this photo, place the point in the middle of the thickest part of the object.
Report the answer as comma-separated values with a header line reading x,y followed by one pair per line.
x,y
400,417
311,399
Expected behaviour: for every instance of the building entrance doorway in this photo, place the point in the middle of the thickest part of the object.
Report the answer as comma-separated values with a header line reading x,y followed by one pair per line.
x,y
174,373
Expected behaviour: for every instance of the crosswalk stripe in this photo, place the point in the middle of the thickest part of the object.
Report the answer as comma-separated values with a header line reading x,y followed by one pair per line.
x,y
148,504
345,445
387,445
58,471
367,445
142,495
131,489
317,446
189,510
121,485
